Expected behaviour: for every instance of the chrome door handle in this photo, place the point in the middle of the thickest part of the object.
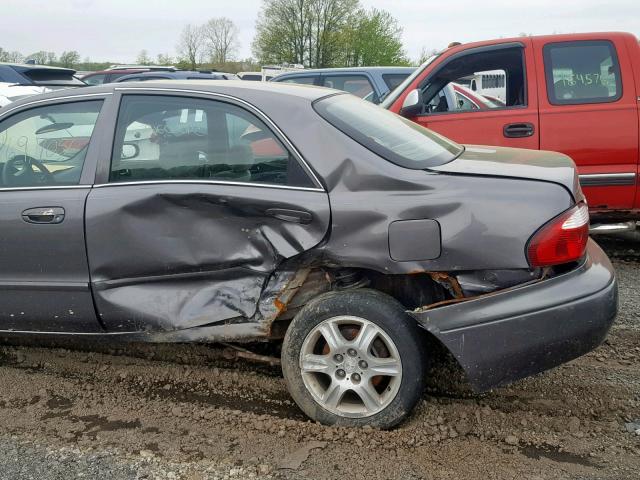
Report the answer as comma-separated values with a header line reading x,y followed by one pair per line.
x,y
296,216
42,215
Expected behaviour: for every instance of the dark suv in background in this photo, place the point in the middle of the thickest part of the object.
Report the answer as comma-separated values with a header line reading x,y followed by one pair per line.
x,y
369,83
112,74
39,76
177,75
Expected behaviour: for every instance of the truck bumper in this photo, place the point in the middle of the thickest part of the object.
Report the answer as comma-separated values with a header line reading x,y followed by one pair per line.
x,y
514,333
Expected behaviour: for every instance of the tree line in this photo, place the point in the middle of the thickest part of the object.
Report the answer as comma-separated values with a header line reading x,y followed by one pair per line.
x,y
327,33
313,33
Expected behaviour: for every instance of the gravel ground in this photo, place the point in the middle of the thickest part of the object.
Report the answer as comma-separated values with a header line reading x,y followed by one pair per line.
x,y
184,412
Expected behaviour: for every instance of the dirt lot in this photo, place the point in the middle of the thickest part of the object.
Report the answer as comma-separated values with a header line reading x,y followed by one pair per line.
x,y
185,413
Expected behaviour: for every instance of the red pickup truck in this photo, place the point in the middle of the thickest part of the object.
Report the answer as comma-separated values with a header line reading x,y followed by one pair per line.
x,y
577,94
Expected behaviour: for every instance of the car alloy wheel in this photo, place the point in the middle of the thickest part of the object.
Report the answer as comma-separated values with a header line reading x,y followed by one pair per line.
x,y
354,358
350,366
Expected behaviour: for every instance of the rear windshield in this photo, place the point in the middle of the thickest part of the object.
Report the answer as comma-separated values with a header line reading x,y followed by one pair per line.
x,y
386,134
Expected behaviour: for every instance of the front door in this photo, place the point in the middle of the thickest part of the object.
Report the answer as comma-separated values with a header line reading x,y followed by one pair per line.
x,y
483,96
201,203
44,279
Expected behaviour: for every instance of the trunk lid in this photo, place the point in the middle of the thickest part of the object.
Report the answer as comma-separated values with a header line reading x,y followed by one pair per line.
x,y
516,163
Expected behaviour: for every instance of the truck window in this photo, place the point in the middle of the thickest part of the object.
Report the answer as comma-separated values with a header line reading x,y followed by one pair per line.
x,y
582,72
490,79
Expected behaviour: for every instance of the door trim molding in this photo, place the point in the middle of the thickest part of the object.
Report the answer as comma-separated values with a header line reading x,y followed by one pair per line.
x,y
46,286
46,187
209,182
607,179
53,100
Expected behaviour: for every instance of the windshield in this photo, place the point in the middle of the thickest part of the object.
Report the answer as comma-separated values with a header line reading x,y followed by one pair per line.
x,y
386,134
395,93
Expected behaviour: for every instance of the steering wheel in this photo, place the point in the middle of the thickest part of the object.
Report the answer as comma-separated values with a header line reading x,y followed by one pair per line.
x,y
19,171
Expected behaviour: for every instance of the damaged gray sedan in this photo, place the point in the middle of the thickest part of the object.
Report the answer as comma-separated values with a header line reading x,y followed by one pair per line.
x,y
233,212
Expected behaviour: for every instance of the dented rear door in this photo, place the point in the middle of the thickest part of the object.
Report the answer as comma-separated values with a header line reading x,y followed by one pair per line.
x,y
202,200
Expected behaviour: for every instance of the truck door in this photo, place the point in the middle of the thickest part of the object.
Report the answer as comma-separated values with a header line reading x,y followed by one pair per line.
x,y
482,95
588,111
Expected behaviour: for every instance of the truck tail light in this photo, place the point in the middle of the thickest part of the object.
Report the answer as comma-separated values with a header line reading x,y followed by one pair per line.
x,y
561,240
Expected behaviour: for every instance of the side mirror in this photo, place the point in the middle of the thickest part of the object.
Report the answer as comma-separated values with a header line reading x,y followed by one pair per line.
x,y
412,104
129,151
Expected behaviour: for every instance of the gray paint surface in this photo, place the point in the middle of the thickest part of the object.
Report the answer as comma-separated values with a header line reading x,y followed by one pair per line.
x,y
205,261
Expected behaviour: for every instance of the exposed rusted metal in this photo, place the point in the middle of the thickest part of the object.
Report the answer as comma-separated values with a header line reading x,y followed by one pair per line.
x,y
289,291
545,274
232,352
449,282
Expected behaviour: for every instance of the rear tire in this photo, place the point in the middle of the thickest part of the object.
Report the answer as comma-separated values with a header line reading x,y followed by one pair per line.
x,y
354,358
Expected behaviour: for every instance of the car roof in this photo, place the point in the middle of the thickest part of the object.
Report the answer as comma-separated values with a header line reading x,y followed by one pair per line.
x,y
180,74
254,92
556,37
382,70
119,71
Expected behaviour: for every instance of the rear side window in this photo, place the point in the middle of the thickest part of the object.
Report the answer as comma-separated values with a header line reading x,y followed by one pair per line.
x,y
386,134
392,80
582,72
95,79
146,78
115,76
300,80
179,138
358,85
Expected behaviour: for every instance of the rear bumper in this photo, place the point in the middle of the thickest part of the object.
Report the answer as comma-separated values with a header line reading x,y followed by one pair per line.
x,y
501,337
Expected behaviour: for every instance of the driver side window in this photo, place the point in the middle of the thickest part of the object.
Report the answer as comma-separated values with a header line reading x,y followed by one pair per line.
x,y
46,146
478,81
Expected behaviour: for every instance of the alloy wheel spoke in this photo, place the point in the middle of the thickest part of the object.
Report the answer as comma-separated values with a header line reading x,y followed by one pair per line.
x,y
331,334
367,334
369,396
311,363
386,367
333,395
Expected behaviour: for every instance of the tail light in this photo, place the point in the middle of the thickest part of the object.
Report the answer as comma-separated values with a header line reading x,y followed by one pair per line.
x,y
562,240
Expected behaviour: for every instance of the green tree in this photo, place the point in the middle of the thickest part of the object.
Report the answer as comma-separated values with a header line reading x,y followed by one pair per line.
x,y
375,39
425,54
221,40
39,57
11,57
143,58
164,59
307,32
190,46
69,59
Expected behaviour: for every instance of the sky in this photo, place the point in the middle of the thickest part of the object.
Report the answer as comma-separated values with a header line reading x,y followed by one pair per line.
x,y
116,30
